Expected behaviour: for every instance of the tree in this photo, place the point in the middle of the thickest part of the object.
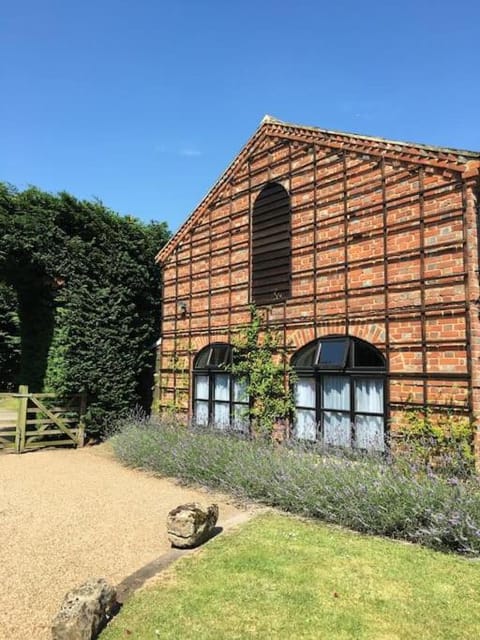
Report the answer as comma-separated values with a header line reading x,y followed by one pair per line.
x,y
88,297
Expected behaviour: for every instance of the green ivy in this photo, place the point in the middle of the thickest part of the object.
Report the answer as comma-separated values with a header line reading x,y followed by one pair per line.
x,y
260,362
87,296
442,439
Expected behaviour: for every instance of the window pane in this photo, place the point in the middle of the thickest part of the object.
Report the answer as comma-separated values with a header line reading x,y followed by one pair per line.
x,y
221,415
241,419
369,433
305,425
240,391
367,356
332,353
220,355
336,429
305,393
336,392
201,413
222,387
369,395
201,387
305,357
202,358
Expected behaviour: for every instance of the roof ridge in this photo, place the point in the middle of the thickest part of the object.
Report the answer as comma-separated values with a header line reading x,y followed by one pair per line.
x,y
268,119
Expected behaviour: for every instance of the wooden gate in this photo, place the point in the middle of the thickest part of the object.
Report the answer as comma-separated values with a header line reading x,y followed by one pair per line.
x,y
35,420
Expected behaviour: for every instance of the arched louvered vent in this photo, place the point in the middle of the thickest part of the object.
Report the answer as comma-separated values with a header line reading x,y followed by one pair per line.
x,y
271,245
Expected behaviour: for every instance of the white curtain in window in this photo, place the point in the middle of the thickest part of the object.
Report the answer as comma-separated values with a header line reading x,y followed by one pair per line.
x,y
305,425
241,419
336,392
336,429
240,391
369,395
221,415
201,412
222,386
305,393
369,433
201,387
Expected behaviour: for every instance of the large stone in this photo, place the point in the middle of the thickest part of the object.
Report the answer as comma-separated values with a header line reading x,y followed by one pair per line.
x,y
191,524
85,611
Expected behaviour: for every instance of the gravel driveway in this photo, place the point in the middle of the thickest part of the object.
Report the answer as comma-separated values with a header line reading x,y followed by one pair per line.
x,y
67,515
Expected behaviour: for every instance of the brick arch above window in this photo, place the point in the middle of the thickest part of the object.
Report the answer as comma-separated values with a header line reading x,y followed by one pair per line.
x,y
271,245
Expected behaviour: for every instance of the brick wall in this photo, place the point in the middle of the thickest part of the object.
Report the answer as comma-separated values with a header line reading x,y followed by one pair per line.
x,y
378,252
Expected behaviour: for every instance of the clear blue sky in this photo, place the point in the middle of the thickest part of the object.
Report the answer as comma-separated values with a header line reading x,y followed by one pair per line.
x,y
144,103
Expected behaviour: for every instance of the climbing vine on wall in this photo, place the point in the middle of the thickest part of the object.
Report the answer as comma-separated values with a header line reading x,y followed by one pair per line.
x,y
442,439
87,298
260,361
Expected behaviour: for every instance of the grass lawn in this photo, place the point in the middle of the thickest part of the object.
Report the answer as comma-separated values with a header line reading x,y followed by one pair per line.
x,y
280,577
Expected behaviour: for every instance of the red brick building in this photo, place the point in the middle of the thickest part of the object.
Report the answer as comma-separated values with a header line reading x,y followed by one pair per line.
x,y
362,252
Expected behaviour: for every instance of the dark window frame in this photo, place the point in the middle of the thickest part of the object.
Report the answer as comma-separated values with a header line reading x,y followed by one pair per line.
x,y
350,370
211,371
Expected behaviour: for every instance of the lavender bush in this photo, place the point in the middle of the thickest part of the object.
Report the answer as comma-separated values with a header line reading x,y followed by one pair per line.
x,y
364,493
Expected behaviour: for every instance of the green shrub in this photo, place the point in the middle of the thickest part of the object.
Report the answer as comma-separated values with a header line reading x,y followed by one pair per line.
x,y
9,337
367,494
440,440
89,298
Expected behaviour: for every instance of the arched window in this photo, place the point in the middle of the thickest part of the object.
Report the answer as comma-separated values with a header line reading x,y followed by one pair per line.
x,y
218,398
340,393
271,245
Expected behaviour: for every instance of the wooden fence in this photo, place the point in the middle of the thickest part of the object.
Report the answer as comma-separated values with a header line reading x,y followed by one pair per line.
x,y
35,420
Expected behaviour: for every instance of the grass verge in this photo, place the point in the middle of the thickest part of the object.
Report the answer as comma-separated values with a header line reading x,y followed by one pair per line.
x,y
280,577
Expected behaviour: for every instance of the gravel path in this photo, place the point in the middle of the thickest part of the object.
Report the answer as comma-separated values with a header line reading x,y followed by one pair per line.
x,y
67,515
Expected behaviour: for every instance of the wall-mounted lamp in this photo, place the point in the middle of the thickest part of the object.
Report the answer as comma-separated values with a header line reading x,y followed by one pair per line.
x,y
182,308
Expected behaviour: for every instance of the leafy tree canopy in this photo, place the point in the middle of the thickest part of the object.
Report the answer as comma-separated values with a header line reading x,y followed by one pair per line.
x,y
79,299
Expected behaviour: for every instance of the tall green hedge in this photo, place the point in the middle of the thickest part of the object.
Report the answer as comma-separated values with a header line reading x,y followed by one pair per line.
x,y
81,282
9,337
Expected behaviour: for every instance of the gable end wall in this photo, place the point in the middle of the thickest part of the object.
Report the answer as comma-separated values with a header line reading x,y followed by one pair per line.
x,y
379,251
